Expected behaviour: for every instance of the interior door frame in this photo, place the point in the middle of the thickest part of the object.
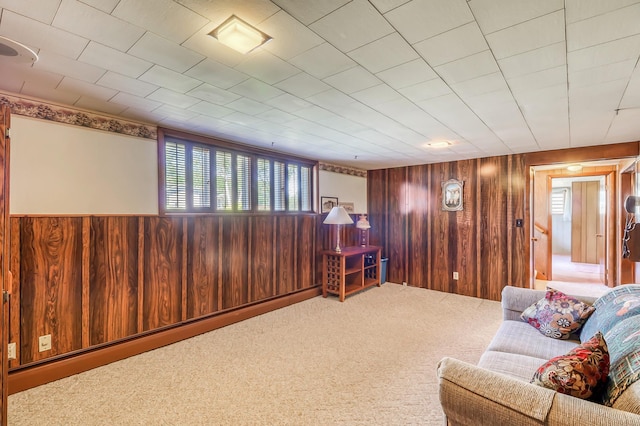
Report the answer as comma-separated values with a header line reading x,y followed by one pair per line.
x,y
609,231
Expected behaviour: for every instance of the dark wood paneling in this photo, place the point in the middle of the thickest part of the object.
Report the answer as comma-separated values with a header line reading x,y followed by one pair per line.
x,y
419,201
306,250
14,307
285,263
202,265
51,281
396,225
162,272
113,277
262,259
519,246
493,250
377,205
235,260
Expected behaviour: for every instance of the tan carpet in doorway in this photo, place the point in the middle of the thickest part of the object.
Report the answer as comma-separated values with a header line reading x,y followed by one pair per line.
x,y
368,361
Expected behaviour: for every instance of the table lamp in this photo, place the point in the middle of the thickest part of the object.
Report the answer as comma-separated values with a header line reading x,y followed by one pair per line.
x,y
363,225
338,216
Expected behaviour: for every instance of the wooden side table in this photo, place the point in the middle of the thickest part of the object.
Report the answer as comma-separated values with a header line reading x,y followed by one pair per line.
x,y
350,271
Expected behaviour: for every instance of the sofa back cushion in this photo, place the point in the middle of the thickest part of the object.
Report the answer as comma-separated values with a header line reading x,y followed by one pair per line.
x,y
619,303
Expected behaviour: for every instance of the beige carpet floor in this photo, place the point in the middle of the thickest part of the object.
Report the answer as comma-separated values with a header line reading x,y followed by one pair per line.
x,y
368,361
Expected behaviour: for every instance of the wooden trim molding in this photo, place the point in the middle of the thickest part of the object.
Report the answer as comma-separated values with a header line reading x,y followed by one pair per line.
x,y
63,114
31,376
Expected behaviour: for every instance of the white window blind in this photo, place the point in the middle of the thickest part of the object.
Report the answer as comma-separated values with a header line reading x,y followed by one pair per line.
x,y
243,174
264,184
201,163
175,176
558,200
224,181
293,187
278,186
305,188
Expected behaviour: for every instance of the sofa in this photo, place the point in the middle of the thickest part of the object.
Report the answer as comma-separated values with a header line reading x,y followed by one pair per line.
x,y
498,391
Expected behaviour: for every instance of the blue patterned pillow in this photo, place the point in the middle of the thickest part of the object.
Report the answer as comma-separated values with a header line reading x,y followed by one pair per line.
x,y
619,303
624,348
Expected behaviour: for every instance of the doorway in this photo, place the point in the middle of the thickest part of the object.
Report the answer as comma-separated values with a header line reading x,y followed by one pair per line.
x,y
573,228
578,209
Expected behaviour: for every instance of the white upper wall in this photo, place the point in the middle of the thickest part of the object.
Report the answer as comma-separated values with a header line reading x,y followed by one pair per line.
x,y
68,170
64,169
347,188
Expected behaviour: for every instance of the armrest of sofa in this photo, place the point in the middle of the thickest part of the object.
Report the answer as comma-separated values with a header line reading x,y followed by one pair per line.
x,y
517,299
471,395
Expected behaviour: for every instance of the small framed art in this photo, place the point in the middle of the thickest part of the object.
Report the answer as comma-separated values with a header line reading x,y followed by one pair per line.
x,y
327,203
452,195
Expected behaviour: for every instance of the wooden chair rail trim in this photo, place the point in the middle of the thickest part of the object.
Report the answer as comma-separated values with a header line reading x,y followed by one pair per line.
x,y
31,376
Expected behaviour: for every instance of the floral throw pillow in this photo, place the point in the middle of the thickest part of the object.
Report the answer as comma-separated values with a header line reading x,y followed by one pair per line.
x,y
557,315
582,372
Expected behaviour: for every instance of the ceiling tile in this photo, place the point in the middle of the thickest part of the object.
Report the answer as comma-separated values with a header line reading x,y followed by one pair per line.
x,y
217,74
473,66
376,95
202,43
353,80
603,28
494,15
322,61
289,37
166,17
310,11
35,9
169,79
43,90
451,45
213,94
351,26
126,84
172,98
384,53
418,20
539,80
256,90
530,35
252,11
37,35
407,74
478,86
602,74
92,104
288,103
274,115
386,5
248,106
267,67
175,113
104,5
84,20
578,10
303,85
83,88
133,101
211,110
161,51
331,99
111,59
426,90
69,67
603,54
551,56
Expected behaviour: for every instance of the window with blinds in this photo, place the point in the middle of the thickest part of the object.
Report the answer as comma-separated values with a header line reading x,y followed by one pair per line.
x,y
201,177
558,199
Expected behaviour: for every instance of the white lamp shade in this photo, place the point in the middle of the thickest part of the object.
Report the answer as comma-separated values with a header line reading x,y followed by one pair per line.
x,y
338,216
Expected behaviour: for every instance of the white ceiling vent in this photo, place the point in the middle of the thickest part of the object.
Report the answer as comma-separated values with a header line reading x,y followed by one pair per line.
x,y
12,50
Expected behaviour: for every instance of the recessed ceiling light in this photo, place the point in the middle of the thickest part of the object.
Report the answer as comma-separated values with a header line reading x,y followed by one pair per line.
x,y
12,50
574,167
439,144
239,35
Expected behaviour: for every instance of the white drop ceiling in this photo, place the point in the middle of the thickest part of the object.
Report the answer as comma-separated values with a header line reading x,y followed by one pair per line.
x,y
360,83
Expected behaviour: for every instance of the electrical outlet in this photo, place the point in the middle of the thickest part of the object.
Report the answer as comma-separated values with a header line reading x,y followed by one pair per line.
x,y
404,283
44,343
455,275
11,352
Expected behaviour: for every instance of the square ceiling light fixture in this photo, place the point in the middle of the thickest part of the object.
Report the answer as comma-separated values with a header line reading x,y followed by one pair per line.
x,y
239,35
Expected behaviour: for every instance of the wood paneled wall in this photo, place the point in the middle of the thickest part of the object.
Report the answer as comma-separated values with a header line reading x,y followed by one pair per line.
x,y
426,245
94,280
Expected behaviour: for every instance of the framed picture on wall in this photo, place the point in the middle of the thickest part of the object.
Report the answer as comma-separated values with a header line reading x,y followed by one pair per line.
x,y
349,207
452,195
327,203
